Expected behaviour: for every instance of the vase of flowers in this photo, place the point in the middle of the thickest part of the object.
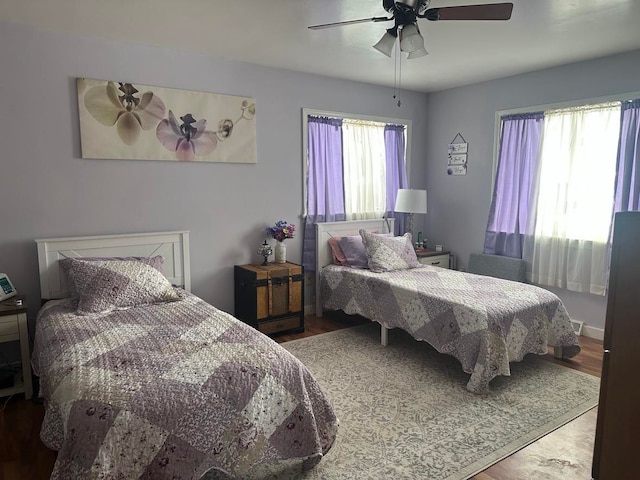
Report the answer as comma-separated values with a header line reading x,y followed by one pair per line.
x,y
281,231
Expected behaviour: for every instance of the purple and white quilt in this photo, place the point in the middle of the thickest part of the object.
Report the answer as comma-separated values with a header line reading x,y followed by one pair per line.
x,y
482,321
171,391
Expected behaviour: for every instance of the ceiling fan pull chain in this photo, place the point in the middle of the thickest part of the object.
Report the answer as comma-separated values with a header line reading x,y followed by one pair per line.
x,y
397,73
399,77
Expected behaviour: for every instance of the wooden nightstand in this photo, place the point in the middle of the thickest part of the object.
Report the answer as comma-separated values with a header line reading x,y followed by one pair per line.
x,y
270,297
13,327
437,259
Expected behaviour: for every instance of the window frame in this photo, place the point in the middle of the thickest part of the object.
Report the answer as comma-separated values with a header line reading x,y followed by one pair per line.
x,y
306,112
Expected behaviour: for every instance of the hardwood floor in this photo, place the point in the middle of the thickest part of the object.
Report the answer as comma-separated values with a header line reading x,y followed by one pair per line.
x,y
563,454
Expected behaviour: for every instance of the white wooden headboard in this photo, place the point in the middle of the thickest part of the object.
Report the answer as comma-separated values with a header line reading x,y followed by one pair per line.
x,y
173,246
324,231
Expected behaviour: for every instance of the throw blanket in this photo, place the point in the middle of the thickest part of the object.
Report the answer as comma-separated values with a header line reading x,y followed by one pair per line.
x,y
170,391
484,322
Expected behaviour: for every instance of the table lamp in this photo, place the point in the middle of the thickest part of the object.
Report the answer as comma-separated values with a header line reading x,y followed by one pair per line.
x,y
411,201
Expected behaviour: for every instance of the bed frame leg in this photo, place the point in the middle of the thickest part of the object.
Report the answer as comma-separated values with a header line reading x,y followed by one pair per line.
x,y
384,335
557,352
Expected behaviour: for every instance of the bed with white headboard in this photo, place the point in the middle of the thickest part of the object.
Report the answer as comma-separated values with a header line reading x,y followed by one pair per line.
x,y
326,230
484,322
166,380
173,246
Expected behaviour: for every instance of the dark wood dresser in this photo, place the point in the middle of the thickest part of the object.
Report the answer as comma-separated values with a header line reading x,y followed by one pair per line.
x,y
617,439
270,297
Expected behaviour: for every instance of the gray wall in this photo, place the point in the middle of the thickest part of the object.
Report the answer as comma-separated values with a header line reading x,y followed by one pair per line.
x,y
459,206
47,190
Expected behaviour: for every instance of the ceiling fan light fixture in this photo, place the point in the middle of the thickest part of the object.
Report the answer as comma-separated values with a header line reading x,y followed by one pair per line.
x,y
385,44
421,52
410,38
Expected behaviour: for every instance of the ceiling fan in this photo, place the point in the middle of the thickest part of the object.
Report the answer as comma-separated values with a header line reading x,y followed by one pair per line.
x,y
405,14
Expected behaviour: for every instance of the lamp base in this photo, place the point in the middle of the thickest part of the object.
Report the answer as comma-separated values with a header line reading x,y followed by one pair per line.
x,y
410,224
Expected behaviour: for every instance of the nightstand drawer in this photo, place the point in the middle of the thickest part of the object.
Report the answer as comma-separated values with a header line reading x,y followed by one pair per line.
x,y
441,261
280,325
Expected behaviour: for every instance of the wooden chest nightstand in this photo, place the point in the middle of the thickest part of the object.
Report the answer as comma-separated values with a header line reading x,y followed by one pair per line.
x,y
270,297
431,257
13,327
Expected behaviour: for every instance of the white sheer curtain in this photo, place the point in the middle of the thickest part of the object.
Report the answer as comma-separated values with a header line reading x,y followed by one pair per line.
x,y
575,198
365,175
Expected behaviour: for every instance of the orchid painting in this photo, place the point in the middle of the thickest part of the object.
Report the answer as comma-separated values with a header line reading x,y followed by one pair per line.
x,y
120,120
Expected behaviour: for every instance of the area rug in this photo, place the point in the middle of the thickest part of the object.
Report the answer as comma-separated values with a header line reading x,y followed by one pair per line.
x,y
405,413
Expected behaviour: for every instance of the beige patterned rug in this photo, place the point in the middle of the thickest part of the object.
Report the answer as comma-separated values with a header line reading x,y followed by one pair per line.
x,y
405,412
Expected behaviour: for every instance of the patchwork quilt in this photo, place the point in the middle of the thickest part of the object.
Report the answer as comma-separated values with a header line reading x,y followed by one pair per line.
x,y
482,321
171,391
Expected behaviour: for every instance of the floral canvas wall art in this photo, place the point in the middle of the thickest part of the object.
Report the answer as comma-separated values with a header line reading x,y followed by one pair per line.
x,y
120,120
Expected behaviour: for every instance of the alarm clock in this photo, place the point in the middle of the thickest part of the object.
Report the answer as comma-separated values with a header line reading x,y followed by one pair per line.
x,y
7,290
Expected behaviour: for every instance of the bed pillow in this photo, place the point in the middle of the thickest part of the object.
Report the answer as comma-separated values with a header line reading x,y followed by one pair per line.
x,y
386,254
354,252
156,262
105,285
338,254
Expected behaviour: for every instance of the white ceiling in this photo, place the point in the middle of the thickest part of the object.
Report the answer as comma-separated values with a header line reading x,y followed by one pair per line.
x,y
540,34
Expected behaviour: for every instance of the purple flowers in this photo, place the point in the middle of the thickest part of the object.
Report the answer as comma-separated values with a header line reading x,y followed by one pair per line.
x,y
281,230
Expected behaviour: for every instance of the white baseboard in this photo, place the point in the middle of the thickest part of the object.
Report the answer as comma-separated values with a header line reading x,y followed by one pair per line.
x,y
309,310
593,332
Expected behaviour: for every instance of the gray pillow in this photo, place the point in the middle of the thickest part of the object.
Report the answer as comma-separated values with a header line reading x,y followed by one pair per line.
x,y
354,252
105,285
156,262
387,254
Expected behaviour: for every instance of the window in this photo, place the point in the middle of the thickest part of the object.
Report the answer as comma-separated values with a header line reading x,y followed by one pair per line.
x,y
364,169
353,168
578,163
561,175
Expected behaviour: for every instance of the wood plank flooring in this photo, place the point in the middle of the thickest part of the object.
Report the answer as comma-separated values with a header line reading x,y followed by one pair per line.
x,y
563,454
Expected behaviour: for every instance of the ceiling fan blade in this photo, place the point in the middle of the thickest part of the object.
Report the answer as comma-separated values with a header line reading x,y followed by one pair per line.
x,y
350,22
487,11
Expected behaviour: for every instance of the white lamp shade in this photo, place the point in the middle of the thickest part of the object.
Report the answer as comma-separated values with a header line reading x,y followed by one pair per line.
x,y
411,201
421,52
385,44
410,38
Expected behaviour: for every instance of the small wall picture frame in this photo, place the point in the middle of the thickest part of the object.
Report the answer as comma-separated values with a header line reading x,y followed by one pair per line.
x,y
457,170
457,159
458,148
457,156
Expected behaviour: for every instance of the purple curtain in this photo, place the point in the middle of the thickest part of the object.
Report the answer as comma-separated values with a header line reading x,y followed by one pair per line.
x,y
394,142
512,201
325,188
627,196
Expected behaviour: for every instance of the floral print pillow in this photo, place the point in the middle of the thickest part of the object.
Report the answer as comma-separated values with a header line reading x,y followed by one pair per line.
x,y
105,285
386,254
156,262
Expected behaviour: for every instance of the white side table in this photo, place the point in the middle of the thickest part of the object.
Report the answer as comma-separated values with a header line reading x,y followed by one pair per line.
x,y
431,257
13,326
